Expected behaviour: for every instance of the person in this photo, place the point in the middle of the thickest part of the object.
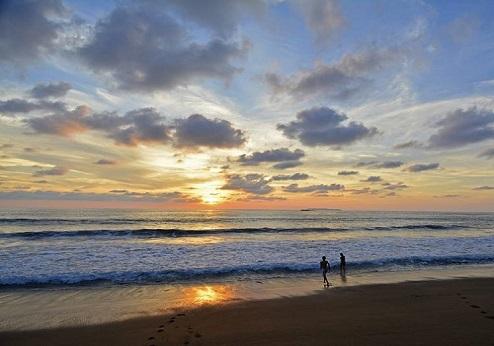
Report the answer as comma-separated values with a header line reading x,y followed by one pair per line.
x,y
342,264
324,266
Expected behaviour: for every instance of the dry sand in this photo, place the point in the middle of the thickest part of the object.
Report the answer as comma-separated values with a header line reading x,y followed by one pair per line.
x,y
447,312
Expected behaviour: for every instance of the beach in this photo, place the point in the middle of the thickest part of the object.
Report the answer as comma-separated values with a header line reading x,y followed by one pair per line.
x,y
439,312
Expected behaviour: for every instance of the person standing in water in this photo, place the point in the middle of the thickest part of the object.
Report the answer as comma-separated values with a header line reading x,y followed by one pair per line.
x,y
342,264
324,266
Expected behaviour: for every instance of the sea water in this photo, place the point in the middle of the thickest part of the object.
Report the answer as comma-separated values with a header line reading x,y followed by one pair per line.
x,y
41,248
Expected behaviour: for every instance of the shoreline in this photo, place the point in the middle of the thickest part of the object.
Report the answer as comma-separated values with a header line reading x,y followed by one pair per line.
x,y
456,311
51,308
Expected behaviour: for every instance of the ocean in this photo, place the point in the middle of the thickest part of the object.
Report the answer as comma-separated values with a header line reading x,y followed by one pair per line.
x,y
119,247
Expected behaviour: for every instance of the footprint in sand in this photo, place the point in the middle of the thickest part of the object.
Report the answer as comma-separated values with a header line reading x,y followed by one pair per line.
x,y
197,335
475,306
151,338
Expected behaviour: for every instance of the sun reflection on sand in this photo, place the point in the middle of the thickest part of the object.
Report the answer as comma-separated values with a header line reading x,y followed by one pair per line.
x,y
210,294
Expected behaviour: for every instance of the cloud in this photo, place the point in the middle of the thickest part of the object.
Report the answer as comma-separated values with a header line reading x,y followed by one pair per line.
x,y
198,131
28,29
252,183
463,127
372,179
6,146
14,106
365,190
138,126
143,49
389,164
29,150
124,195
323,17
325,126
221,16
348,173
41,91
144,125
488,153
64,123
105,162
272,155
58,170
395,186
380,164
341,80
294,176
419,167
318,189
483,188
287,164
409,144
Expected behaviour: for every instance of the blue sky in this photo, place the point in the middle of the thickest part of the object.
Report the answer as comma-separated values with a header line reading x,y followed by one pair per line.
x,y
388,81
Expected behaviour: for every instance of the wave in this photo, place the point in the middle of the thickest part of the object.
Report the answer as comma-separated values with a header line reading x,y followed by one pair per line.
x,y
159,232
270,270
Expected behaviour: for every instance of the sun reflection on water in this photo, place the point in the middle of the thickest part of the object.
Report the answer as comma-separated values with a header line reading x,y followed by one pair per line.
x,y
210,294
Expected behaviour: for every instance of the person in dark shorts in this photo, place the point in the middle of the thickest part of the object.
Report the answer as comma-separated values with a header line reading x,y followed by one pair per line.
x,y
342,264
324,266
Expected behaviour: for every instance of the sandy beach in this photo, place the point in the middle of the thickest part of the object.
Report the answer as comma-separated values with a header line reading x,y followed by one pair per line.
x,y
442,312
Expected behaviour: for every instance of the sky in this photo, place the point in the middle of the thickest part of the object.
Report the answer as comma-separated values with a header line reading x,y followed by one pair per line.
x,y
253,104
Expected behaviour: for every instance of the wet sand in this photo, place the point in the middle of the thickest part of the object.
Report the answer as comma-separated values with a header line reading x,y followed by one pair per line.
x,y
444,312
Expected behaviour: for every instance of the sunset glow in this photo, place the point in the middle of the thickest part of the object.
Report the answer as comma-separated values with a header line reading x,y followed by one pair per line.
x,y
257,105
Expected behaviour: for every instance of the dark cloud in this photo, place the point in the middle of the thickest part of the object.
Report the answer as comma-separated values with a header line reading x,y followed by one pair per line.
x,y
419,167
6,146
51,171
287,164
347,172
343,79
273,155
409,144
488,153
144,49
483,188
28,29
221,16
389,164
198,131
41,91
395,186
252,183
463,127
143,125
319,189
14,106
325,126
294,176
63,123
29,150
372,179
106,162
138,126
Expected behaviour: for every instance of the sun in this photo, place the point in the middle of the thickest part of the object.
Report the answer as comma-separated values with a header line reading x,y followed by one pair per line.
x,y
211,192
